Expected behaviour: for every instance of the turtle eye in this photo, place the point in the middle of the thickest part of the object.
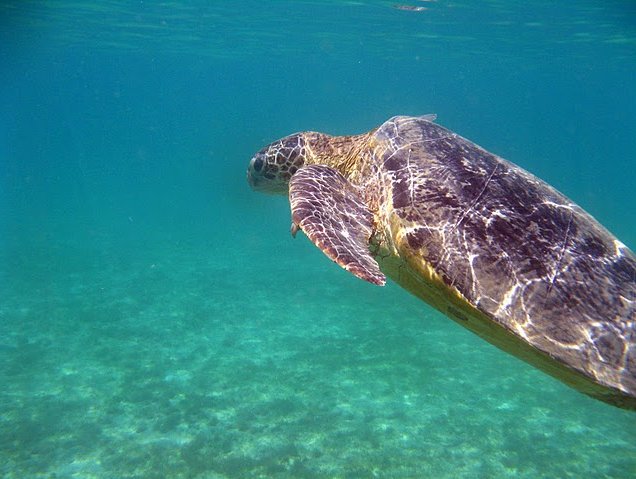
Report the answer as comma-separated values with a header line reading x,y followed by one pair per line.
x,y
258,164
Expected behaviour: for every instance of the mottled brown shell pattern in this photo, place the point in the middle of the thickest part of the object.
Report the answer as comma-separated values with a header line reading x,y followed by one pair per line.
x,y
512,246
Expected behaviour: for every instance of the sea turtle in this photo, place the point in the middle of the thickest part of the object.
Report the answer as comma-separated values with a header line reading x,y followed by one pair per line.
x,y
482,240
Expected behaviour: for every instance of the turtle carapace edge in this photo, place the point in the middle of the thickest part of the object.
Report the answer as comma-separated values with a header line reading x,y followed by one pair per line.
x,y
493,247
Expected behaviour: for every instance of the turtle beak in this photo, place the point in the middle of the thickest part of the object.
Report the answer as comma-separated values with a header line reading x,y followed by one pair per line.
x,y
250,181
250,174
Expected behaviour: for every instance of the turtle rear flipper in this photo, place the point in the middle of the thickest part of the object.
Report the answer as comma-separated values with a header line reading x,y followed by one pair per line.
x,y
332,215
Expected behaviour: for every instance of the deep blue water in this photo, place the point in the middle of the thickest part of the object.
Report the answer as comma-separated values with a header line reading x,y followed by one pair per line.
x,y
157,319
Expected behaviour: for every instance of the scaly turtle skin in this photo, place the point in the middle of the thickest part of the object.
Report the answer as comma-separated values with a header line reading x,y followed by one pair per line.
x,y
482,240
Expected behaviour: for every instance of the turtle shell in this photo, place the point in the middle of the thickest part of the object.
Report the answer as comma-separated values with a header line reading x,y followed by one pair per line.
x,y
506,255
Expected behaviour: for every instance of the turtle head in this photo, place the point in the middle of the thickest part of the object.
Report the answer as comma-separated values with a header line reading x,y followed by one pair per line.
x,y
272,167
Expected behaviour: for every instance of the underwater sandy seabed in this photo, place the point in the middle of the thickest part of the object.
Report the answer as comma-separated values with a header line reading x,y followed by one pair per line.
x,y
172,361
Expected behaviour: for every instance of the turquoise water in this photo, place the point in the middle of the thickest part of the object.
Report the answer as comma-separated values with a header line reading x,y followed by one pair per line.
x,y
158,320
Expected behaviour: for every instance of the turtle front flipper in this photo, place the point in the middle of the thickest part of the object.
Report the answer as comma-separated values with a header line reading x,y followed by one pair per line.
x,y
333,216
